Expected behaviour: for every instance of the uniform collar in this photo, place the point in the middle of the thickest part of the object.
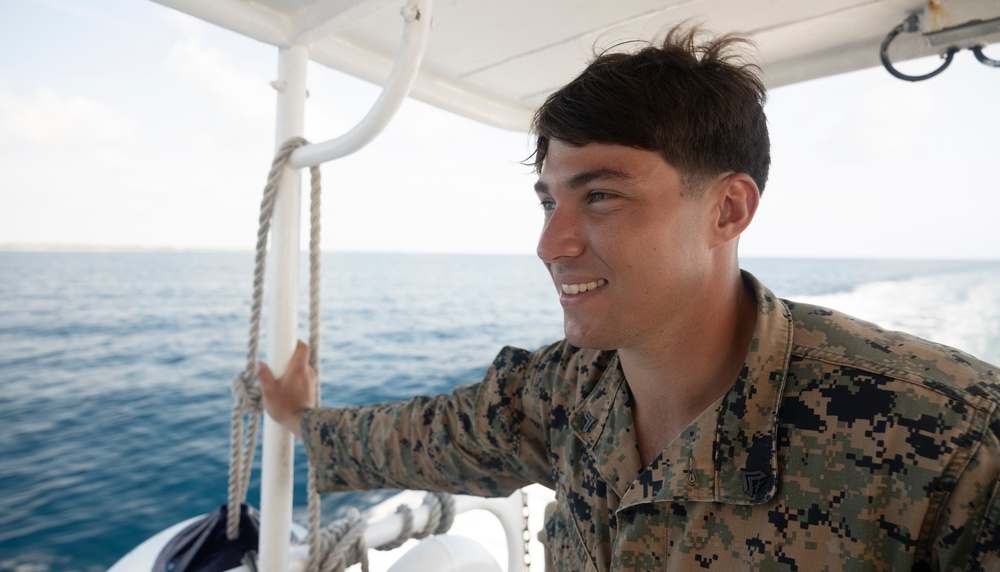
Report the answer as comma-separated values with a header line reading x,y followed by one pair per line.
x,y
728,454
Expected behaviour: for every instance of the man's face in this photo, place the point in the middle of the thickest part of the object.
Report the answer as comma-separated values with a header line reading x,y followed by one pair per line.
x,y
626,249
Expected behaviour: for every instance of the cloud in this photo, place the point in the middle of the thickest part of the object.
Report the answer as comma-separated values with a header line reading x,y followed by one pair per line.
x,y
242,96
47,118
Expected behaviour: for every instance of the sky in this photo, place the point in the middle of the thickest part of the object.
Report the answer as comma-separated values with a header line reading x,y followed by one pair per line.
x,y
125,124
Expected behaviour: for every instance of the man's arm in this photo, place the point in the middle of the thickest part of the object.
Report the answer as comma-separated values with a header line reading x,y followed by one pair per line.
x,y
287,397
486,438
968,531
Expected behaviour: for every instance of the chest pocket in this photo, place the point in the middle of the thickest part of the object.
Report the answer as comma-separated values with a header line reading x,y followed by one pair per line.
x,y
564,541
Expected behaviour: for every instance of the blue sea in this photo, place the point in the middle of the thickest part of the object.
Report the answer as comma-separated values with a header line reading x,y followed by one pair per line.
x,y
115,367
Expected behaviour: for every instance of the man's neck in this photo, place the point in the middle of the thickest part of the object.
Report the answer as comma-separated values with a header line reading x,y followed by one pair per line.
x,y
695,363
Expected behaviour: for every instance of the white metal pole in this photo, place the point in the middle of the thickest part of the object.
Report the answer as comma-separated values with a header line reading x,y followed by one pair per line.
x,y
277,467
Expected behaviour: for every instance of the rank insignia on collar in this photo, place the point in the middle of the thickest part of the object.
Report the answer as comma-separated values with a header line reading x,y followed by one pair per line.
x,y
752,481
588,421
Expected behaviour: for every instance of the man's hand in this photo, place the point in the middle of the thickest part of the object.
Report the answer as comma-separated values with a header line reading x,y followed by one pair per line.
x,y
287,397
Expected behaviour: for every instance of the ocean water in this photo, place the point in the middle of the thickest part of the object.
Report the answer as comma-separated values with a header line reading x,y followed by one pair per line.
x,y
115,367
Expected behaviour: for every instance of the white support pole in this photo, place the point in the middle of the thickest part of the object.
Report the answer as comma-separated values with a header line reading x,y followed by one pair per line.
x,y
277,467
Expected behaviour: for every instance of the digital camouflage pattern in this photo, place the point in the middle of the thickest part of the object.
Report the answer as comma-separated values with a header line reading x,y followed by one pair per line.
x,y
841,446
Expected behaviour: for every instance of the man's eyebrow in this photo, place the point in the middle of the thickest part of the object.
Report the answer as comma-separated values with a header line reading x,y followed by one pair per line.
x,y
587,177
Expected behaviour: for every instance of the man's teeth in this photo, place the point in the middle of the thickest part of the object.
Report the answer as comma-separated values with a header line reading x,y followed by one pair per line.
x,y
584,287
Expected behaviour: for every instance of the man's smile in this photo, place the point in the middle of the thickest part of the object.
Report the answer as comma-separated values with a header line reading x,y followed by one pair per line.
x,y
583,286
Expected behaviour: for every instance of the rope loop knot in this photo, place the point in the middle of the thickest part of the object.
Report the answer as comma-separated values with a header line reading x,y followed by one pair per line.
x,y
246,392
439,520
341,544
442,516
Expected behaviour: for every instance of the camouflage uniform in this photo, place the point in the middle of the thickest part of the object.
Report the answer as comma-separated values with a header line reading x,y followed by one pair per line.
x,y
841,446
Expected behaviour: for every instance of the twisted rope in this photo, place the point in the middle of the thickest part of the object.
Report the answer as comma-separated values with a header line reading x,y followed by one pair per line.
x,y
442,516
247,408
341,543
439,521
405,533
313,496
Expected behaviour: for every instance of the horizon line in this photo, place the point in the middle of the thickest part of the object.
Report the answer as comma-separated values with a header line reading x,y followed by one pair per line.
x,y
111,248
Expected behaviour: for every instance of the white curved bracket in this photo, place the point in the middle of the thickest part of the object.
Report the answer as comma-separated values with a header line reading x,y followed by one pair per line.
x,y
417,14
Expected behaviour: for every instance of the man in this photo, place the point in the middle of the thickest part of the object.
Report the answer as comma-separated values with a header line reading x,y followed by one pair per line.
x,y
690,419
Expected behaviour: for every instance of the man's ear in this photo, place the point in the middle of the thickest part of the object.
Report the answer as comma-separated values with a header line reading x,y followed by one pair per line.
x,y
736,202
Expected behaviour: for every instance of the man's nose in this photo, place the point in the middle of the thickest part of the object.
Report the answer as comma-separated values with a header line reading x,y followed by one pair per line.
x,y
562,236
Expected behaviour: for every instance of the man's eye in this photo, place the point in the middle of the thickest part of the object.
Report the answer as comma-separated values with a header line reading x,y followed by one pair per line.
x,y
598,196
547,204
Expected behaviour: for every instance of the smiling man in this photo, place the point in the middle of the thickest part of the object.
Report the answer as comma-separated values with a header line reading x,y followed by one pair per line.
x,y
690,419
647,266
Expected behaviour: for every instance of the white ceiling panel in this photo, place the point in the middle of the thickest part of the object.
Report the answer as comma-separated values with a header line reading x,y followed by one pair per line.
x,y
496,61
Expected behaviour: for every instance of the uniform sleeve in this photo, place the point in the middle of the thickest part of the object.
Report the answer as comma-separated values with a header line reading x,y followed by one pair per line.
x,y
986,550
483,439
968,536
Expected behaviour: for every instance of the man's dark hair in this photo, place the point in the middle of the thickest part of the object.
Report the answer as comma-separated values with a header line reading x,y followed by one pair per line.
x,y
698,105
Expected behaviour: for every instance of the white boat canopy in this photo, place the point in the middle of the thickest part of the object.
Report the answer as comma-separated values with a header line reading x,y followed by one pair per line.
x,y
496,61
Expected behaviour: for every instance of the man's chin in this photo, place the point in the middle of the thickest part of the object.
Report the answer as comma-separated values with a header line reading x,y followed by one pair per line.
x,y
587,340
